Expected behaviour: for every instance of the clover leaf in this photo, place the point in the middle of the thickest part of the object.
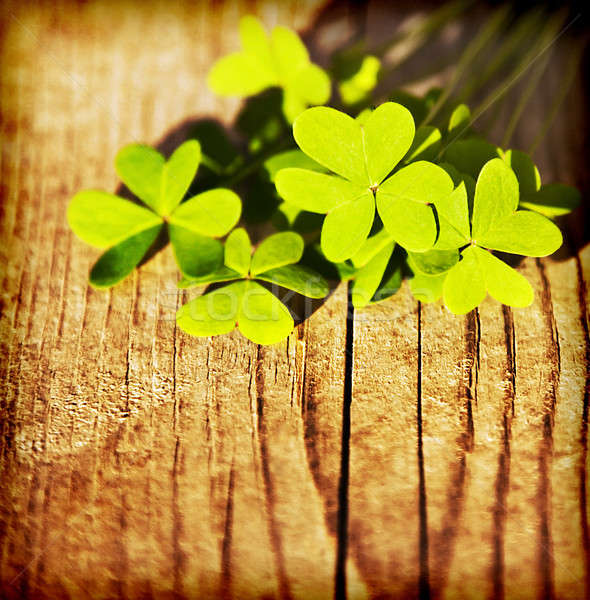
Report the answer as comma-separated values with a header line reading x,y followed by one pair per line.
x,y
425,287
460,119
280,60
496,225
552,200
356,86
361,154
258,314
371,262
470,155
128,230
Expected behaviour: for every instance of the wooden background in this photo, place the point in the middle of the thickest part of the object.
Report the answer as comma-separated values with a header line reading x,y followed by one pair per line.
x,y
403,453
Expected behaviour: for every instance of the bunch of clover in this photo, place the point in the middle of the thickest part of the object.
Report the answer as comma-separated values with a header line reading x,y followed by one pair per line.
x,y
428,204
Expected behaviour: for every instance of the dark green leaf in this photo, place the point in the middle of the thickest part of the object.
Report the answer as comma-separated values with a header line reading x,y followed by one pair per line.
x,y
552,200
196,255
529,179
469,156
426,144
115,264
222,274
298,278
433,262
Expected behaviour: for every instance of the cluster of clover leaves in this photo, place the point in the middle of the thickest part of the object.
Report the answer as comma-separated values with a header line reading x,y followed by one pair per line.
x,y
393,201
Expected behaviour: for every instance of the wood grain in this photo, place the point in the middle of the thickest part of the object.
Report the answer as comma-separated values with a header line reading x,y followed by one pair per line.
x,y
393,452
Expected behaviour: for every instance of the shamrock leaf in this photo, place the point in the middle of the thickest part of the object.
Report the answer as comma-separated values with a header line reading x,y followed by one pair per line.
x,y
460,119
529,178
367,279
258,314
469,156
280,60
362,153
497,225
425,287
426,144
552,200
128,230
356,86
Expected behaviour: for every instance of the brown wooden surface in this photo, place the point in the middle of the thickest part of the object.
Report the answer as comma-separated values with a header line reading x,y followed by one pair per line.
x,y
407,452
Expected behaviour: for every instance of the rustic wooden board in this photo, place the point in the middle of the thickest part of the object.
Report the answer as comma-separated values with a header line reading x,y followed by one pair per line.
x,y
394,452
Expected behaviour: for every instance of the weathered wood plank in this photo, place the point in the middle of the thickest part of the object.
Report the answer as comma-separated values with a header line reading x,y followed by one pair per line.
x,y
401,452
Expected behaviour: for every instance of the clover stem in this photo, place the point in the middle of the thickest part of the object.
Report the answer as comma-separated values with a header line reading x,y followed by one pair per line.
x,y
423,30
525,97
564,88
212,164
506,52
258,160
521,68
473,48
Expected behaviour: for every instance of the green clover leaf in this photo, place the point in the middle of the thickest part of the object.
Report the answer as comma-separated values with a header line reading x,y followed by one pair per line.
x,y
498,225
460,119
470,155
258,314
128,230
357,86
362,153
280,60
552,200
425,287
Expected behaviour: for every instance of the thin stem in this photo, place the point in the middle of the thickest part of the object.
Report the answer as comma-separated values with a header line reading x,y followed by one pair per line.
x,y
525,97
564,88
473,48
503,88
212,164
552,34
258,160
435,21
506,52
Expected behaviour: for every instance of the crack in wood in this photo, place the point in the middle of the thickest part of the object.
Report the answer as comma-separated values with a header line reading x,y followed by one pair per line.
x,y
269,491
424,578
344,480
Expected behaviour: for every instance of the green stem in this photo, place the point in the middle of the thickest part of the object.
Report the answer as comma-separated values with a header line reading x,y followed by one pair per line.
x,y
212,164
564,88
473,48
506,52
532,84
435,21
552,33
258,160
500,91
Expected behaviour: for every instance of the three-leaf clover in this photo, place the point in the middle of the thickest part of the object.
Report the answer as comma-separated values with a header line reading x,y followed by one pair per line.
x,y
259,315
281,60
496,225
128,229
361,154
